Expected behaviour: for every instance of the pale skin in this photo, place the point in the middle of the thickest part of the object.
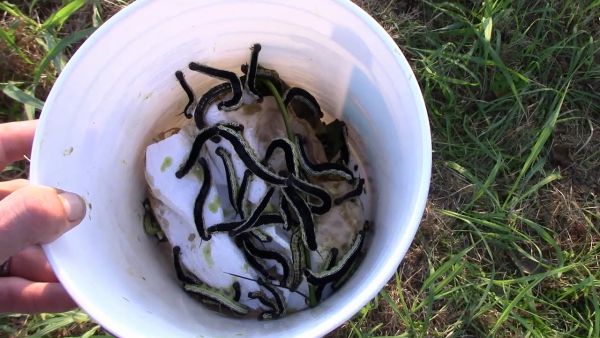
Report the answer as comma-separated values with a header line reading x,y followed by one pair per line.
x,y
31,216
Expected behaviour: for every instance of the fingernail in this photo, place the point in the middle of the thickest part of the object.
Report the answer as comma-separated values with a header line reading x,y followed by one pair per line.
x,y
74,206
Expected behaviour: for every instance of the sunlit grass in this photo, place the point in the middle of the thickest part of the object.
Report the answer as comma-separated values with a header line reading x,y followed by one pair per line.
x,y
509,244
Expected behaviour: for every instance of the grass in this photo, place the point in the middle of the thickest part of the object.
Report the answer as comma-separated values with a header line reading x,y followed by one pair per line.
x,y
509,245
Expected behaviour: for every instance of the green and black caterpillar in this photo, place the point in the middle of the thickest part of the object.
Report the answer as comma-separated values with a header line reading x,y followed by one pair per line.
x,y
300,196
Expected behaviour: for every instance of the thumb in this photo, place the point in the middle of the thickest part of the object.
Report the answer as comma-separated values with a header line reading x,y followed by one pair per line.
x,y
36,215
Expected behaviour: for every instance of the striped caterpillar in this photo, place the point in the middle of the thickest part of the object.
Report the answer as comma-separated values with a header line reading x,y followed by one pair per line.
x,y
279,233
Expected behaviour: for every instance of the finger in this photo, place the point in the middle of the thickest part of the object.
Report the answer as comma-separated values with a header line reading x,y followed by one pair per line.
x,y
31,263
16,139
8,187
36,215
22,296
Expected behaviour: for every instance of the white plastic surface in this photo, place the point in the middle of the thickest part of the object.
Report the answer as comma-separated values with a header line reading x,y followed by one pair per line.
x,y
119,90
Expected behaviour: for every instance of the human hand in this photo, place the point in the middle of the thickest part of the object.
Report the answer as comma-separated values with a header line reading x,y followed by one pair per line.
x,y
30,216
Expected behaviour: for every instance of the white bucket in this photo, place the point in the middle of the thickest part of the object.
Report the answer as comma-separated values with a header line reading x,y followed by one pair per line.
x,y
119,90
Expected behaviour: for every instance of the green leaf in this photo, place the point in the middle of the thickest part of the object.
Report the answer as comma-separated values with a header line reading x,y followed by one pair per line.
x,y
545,181
487,29
548,237
52,324
9,39
30,102
91,332
536,279
431,281
7,36
15,12
97,13
59,48
543,136
58,18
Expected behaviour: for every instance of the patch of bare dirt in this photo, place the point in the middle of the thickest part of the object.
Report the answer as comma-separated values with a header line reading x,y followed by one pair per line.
x,y
575,152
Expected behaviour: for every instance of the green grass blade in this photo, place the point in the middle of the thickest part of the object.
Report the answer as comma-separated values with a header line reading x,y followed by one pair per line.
x,y
22,96
534,281
439,272
58,18
49,325
91,332
60,48
596,312
540,142
10,42
543,182
97,13
464,172
488,183
548,238
386,296
30,102
15,12
494,226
